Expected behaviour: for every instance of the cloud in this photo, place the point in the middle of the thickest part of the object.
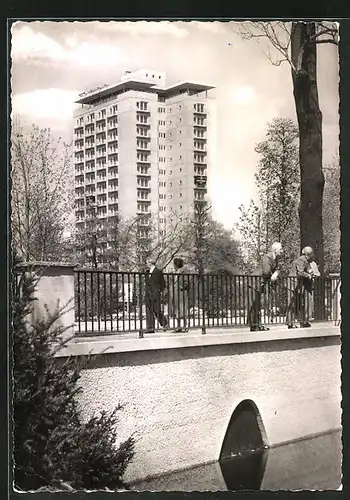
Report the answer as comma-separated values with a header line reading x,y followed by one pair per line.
x,y
215,27
244,94
26,43
87,54
142,28
31,45
50,103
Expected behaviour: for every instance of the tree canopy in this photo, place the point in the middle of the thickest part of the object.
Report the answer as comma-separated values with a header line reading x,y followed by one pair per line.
x,y
296,44
41,197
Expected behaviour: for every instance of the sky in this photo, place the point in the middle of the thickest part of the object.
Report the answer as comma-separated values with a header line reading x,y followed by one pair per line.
x,y
52,62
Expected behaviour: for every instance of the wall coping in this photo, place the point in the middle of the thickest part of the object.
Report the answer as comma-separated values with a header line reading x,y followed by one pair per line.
x,y
43,264
126,343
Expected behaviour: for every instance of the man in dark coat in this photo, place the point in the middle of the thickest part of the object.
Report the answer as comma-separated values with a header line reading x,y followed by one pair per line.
x,y
266,273
300,289
155,285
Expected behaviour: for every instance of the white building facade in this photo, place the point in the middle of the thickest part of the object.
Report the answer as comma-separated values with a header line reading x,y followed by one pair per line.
x,y
142,149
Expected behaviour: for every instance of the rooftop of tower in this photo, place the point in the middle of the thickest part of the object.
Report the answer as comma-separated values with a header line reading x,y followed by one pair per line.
x,y
143,81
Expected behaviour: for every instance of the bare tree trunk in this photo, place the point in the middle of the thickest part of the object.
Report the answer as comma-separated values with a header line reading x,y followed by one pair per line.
x,y
304,73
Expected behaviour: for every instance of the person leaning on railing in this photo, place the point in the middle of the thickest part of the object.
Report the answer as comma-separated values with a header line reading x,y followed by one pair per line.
x,y
266,273
300,289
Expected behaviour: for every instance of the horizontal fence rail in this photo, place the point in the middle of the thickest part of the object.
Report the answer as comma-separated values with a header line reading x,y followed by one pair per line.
x,y
119,302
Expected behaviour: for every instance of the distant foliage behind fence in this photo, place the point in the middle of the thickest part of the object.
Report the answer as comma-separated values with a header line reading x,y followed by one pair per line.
x,y
109,302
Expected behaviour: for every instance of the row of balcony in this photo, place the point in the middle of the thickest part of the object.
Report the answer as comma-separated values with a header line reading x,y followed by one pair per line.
x,y
101,174
143,133
92,187
146,174
142,210
142,121
95,136
143,168
112,184
96,167
81,219
200,156
142,173
143,194
199,141
97,209
112,155
101,199
102,209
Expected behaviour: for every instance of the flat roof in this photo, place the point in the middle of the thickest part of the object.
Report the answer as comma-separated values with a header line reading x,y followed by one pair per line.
x,y
142,85
129,85
185,84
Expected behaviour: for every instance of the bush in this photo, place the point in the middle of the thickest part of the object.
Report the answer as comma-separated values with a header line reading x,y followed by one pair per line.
x,y
53,447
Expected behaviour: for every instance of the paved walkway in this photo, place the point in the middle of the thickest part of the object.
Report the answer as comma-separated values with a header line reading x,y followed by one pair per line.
x,y
130,342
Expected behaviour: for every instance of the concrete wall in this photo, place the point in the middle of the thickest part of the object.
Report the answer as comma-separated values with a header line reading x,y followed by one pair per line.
x,y
54,289
180,392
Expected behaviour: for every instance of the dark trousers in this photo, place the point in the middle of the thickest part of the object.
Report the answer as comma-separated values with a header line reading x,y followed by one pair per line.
x,y
254,312
154,310
298,306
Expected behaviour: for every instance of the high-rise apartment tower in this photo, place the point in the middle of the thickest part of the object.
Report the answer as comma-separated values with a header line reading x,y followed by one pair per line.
x,y
142,148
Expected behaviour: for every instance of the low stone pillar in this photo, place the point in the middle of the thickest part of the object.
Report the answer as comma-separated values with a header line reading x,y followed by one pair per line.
x,y
54,289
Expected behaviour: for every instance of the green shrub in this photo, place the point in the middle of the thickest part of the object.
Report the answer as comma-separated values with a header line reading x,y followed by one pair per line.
x,y
52,446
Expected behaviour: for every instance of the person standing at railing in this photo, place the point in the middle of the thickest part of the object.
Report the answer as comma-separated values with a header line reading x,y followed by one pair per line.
x,y
180,295
300,289
315,273
264,275
154,287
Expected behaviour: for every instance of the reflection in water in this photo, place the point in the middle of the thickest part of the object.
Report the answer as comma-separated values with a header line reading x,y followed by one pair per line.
x,y
243,455
309,464
244,472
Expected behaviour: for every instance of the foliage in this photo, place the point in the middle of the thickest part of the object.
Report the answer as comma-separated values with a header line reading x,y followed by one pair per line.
x,y
41,193
253,234
53,446
277,180
209,246
331,217
127,244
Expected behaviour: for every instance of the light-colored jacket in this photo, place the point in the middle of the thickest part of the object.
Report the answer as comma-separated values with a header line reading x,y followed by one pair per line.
x,y
179,294
314,269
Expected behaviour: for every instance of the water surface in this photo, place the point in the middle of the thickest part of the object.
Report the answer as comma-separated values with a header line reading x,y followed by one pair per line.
x,y
312,464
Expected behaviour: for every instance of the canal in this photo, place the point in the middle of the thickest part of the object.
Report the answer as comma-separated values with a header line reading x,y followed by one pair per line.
x,y
310,464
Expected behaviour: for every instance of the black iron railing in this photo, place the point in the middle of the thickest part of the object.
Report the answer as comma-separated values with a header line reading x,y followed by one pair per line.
x,y
119,302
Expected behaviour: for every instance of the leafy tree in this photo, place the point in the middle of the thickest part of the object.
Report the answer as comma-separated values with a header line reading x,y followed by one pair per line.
x,y
331,217
296,43
277,180
41,193
209,246
53,447
253,233
127,244
91,240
